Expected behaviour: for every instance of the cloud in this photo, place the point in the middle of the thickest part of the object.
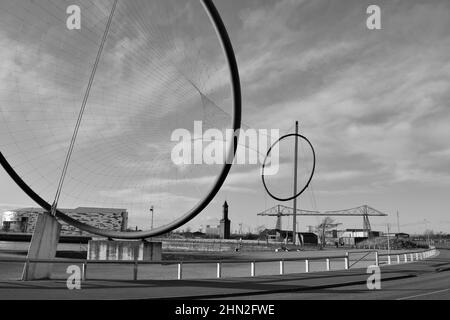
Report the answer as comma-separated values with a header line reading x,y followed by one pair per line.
x,y
374,104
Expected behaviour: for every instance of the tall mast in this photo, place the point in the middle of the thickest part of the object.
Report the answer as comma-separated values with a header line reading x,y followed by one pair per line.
x,y
294,216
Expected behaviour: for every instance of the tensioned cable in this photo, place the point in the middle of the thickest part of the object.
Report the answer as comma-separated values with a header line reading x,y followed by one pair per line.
x,y
38,142
83,107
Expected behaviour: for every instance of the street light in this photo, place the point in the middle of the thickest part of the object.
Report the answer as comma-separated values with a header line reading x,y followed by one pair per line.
x,y
151,210
427,232
388,239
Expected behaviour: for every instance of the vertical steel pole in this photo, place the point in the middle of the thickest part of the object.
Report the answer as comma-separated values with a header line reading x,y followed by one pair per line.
x,y
346,261
294,216
27,270
389,245
219,270
83,271
328,264
135,270
151,210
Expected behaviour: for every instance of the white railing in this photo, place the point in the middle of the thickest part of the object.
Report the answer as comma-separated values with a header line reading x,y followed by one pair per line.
x,y
413,256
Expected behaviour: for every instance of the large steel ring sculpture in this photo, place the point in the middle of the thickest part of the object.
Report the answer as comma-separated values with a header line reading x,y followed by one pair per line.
x,y
310,176
224,39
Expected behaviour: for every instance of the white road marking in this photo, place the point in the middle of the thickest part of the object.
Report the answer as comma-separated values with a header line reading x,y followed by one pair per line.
x,y
423,294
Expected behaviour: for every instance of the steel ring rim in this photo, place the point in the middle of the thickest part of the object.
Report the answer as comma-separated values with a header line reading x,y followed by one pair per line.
x,y
310,177
227,47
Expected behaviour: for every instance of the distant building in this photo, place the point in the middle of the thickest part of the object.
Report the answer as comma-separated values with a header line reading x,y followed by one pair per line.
x,y
351,237
24,220
307,238
225,223
212,231
303,238
402,235
360,233
269,235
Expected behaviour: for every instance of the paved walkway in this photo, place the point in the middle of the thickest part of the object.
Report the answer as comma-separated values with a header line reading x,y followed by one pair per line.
x,y
282,287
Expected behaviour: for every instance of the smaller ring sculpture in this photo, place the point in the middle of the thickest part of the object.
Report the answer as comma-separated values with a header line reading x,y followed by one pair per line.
x,y
310,177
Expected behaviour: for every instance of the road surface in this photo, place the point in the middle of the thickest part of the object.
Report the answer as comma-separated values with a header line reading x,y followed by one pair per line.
x,y
426,279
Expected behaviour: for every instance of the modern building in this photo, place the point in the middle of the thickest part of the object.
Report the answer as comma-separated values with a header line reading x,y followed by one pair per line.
x,y
24,220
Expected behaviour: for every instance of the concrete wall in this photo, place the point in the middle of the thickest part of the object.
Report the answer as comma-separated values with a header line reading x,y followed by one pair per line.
x,y
43,246
216,245
124,250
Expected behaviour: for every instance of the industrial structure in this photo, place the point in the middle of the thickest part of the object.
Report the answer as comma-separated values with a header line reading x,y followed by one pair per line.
x,y
348,236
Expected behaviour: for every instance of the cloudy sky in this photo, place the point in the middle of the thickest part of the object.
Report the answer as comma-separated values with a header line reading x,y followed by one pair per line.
x,y
373,102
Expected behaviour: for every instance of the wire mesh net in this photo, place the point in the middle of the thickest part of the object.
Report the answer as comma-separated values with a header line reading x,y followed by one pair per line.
x,y
161,69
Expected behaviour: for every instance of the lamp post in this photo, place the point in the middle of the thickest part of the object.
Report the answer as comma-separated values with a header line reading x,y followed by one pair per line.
x,y
388,239
151,210
427,233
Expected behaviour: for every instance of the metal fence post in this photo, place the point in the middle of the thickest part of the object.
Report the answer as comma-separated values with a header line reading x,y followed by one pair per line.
x,y
328,264
398,259
219,270
180,271
252,269
389,259
281,267
135,270
346,261
306,265
406,257
27,269
377,261
83,271
417,256
411,257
